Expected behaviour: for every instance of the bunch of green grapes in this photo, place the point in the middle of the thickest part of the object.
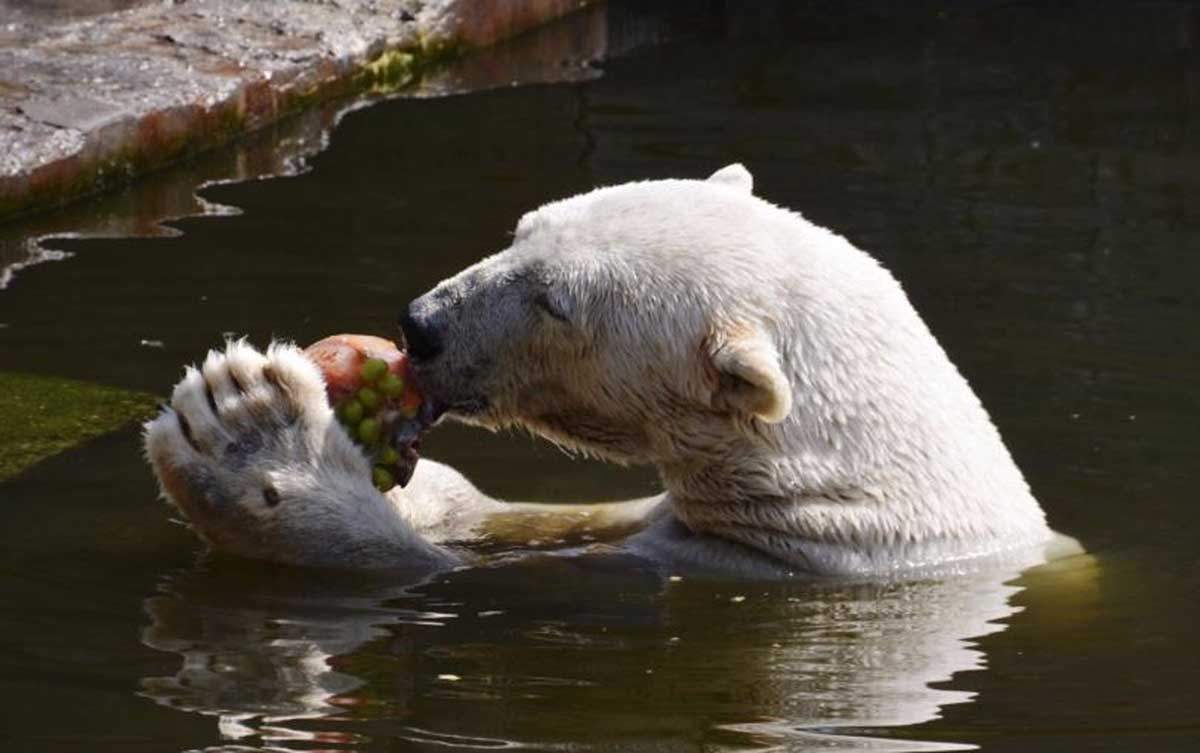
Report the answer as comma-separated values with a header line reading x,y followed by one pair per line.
x,y
374,403
361,415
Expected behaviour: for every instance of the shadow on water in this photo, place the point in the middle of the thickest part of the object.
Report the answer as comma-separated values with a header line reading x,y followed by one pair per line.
x,y
1027,170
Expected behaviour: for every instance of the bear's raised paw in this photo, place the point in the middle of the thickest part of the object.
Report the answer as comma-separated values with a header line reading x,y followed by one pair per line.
x,y
247,439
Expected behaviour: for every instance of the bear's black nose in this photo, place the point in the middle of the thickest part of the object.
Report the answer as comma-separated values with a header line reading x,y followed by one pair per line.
x,y
423,341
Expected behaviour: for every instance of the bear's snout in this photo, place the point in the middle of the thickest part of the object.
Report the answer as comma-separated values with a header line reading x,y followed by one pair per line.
x,y
424,341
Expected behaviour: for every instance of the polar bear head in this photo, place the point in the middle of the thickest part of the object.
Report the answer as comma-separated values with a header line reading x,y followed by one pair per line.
x,y
777,376
636,323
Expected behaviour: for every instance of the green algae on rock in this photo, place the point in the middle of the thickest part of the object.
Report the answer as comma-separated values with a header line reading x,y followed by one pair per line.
x,y
42,416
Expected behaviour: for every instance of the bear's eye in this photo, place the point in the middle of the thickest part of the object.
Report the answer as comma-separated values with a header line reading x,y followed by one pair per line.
x,y
542,301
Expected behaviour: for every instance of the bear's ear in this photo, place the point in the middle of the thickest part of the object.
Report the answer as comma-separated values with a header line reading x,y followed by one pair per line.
x,y
734,176
749,377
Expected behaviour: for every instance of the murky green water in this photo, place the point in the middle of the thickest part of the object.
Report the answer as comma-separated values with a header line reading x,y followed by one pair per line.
x,y
1029,175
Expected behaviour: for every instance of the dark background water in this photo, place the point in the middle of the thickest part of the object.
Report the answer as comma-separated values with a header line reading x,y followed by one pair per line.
x,y
1027,170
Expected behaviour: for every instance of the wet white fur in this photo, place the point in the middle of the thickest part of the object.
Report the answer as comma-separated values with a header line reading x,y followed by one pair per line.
x,y
802,416
791,397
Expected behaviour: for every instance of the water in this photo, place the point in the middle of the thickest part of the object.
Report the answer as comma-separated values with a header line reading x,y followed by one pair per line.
x,y
1027,173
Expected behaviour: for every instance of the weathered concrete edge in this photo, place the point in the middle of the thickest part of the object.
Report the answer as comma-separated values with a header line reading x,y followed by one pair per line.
x,y
118,152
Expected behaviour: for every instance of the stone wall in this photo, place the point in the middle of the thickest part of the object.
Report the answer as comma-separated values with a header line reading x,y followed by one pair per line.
x,y
90,103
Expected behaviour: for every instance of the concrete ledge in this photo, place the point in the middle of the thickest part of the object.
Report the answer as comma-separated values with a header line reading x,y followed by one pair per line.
x,y
95,103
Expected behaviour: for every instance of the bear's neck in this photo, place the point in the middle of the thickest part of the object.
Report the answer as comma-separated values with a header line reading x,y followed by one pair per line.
x,y
832,509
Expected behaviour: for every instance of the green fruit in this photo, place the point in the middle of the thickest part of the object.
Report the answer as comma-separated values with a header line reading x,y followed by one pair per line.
x,y
372,369
369,431
351,412
388,456
369,398
383,478
392,386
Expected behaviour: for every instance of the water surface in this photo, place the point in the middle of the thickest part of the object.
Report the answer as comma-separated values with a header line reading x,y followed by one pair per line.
x,y
1028,173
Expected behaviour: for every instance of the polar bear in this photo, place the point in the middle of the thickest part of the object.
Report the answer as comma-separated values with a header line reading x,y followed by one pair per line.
x,y
802,417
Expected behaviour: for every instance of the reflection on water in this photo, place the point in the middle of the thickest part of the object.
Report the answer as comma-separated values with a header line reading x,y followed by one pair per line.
x,y
1028,172
530,655
250,661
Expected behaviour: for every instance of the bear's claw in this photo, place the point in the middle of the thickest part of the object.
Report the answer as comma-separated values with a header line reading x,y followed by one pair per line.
x,y
238,427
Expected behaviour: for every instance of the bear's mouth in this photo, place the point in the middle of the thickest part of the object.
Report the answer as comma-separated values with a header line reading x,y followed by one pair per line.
x,y
435,408
441,396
